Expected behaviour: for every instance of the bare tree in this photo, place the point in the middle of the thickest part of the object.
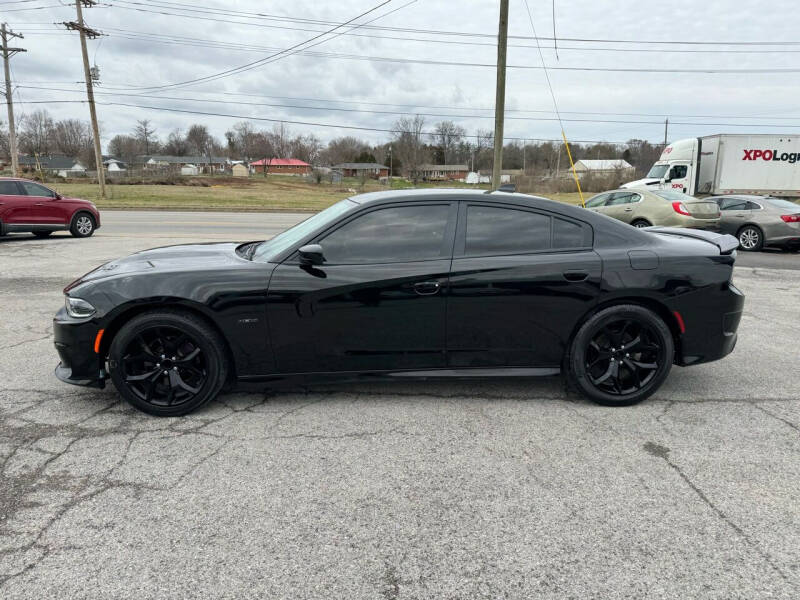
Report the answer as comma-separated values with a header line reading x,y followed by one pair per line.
x,y
484,146
343,149
36,133
446,135
307,148
125,147
146,134
407,133
176,143
280,138
72,137
244,138
198,140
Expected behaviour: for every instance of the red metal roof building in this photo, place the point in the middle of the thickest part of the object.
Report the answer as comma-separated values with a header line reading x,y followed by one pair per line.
x,y
281,166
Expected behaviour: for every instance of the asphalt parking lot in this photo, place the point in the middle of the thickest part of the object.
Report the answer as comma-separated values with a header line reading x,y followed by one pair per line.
x,y
406,490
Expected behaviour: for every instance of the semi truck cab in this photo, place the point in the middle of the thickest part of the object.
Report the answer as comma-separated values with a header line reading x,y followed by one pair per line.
x,y
674,170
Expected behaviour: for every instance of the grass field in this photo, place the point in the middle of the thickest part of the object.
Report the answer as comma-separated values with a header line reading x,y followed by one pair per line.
x,y
254,194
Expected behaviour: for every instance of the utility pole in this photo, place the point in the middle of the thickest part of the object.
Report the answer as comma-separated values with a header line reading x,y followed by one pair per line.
x,y
85,32
666,127
500,95
12,133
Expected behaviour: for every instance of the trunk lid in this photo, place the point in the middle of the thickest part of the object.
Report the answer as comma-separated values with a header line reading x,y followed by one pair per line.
x,y
726,244
703,209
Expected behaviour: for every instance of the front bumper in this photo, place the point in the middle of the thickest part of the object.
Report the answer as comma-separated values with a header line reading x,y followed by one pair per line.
x,y
74,341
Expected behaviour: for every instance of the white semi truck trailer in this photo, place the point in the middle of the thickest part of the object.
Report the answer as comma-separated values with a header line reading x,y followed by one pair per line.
x,y
728,164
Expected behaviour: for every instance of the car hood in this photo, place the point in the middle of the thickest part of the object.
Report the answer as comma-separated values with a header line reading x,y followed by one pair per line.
x,y
185,257
647,181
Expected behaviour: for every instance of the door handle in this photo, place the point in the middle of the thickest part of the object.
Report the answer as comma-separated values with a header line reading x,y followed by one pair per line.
x,y
426,288
575,275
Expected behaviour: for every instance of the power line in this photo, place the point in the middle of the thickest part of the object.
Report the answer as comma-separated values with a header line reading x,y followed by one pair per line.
x,y
149,37
407,106
423,114
225,11
272,57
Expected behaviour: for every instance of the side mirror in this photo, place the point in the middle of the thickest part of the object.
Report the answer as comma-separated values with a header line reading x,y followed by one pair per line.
x,y
311,254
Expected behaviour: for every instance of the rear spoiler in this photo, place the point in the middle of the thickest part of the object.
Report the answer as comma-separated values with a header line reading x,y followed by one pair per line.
x,y
726,243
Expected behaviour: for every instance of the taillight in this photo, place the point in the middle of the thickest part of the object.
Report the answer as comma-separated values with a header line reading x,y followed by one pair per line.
x,y
791,218
681,209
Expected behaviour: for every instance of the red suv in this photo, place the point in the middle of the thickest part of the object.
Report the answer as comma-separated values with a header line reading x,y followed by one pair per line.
x,y
30,206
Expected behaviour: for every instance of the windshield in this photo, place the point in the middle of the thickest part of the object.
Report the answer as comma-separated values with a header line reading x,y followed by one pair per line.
x,y
783,204
658,171
285,240
673,196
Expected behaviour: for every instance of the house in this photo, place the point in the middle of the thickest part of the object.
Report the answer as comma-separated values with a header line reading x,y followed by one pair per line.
x,y
373,170
190,170
281,166
603,167
240,170
203,164
443,172
63,166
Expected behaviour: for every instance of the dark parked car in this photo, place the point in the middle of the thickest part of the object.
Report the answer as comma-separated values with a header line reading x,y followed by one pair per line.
x,y
32,207
407,284
760,221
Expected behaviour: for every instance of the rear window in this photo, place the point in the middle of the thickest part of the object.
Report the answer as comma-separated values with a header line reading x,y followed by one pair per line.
x,y
783,204
673,196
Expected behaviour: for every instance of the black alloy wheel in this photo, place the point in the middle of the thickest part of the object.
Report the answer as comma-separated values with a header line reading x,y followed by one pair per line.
x,y
621,355
641,224
167,363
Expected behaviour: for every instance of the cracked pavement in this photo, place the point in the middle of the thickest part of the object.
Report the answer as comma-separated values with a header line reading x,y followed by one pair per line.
x,y
489,489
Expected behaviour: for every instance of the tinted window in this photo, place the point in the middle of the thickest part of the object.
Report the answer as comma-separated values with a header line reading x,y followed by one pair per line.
x,y
400,234
751,206
567,234
8,188
596,201
493,230
34,189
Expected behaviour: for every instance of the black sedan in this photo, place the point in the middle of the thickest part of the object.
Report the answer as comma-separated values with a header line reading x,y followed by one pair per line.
x,y
414,284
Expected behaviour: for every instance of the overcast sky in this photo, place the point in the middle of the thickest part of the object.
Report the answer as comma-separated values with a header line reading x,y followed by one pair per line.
x,y
140,52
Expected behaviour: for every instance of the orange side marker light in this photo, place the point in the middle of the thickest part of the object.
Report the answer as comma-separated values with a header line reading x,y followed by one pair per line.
x,y
97,341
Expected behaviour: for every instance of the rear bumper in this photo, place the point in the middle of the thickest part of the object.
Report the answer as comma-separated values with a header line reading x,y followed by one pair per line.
x,y
74,342
711,327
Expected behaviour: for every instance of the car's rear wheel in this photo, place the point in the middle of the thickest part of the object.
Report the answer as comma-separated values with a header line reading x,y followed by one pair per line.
x,y
751,238
83,225
42,234
641,223
621,355
167,363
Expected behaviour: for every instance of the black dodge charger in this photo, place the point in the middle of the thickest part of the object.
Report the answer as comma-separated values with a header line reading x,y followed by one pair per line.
x,y
412,284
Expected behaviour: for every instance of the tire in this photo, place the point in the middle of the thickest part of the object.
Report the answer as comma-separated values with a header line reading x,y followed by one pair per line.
x,y
604,371
42,234
168,363
639,223
83,225
751,238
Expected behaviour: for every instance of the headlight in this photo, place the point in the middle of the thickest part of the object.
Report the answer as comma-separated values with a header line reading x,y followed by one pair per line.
x,y
77,308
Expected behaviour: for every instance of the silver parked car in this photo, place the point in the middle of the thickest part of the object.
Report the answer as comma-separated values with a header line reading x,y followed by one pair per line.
x,y
760,221
643,208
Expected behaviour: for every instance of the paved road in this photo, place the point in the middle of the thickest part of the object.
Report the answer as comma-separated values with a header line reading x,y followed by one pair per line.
x,y
411,490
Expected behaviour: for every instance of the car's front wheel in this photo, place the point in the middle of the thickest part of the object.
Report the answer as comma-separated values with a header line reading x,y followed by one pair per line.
x,y
167,363
621,355
82,225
